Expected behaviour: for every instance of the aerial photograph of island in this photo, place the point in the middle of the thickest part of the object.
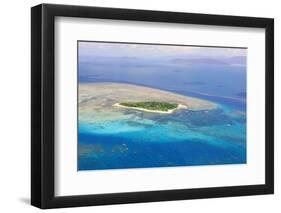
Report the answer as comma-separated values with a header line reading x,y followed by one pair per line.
x,y
160,105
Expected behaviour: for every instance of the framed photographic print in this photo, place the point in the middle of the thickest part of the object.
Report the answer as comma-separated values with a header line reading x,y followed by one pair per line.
x,y
139,106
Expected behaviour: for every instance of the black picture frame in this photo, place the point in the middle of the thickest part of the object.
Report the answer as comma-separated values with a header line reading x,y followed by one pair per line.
x,y
43,102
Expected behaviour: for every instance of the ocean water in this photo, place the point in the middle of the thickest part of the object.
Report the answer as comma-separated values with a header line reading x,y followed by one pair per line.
x,y
183,138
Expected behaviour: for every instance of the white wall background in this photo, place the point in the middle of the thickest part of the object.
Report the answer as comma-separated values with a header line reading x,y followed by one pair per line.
x,y
15,105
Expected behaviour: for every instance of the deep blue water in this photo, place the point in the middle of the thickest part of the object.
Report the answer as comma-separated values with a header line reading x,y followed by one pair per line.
x,y
183,138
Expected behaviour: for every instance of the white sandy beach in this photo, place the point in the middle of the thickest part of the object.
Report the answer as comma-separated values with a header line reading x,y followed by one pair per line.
x,y
180,106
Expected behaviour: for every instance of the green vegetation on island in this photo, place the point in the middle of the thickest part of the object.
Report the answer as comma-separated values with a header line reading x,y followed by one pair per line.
x,y
151,105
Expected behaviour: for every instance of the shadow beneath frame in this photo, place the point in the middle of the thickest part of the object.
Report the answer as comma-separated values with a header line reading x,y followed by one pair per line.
x,y
25,200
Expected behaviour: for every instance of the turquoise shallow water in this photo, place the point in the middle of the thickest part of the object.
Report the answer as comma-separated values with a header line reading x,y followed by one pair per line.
x,y
184,138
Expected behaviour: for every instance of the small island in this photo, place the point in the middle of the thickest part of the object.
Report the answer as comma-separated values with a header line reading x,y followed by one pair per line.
x,y
151,106
106,102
